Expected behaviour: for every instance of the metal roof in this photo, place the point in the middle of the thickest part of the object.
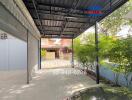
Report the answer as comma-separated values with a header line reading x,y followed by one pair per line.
x,y
67,18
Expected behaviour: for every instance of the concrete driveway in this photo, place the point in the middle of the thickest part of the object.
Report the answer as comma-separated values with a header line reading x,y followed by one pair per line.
x,y
56,63
49,84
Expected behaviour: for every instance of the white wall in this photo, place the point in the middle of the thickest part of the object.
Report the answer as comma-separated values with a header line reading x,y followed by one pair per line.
x,y
32,55
13,54
3,54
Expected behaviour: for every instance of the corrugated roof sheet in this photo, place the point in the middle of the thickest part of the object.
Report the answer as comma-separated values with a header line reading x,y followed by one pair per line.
x,y
67,18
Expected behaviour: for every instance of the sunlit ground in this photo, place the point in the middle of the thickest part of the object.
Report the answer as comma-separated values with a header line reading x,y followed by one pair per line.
x,y
56,63
47,84
56,83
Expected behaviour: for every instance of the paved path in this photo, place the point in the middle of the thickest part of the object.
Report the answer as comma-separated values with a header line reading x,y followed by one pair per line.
x,y
56,63
49,84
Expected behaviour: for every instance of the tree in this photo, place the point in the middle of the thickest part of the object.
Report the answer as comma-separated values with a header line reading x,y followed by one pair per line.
x,y
118,51
112,24
106,43
121,55
85,50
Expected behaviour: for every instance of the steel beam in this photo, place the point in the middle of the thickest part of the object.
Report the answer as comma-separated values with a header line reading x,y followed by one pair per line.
x,y
66,15
60,20
33,1
62,12
59,31
72,54
57,26
97,51
51,36
75,4
27,58
39,63
40,55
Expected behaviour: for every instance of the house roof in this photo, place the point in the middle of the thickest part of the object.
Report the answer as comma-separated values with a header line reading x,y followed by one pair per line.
x,y
68,18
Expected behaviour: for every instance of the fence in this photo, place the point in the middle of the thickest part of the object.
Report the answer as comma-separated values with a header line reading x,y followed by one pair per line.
x,y
108,74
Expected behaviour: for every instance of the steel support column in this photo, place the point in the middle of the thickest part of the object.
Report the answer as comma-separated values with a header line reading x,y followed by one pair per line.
x,y
27,58
97,50
40,53
72,55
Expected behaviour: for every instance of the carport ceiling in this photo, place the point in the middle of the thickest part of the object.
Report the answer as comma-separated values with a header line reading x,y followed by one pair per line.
x,y
67,18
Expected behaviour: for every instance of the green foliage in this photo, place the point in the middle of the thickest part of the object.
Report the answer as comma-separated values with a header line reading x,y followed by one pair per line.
x,y
121,54
85,51
106,43
118,51
119,90
43,53
112,24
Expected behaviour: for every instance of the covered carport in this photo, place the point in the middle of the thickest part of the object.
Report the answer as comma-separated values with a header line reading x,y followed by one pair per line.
x,y
70,18
32,20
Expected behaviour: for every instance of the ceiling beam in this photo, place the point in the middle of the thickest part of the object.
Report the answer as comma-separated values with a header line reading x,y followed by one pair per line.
x,y
59,34
61,20
59,31
64,15
58,37
77,12
28,2
74,6
35,7
57,26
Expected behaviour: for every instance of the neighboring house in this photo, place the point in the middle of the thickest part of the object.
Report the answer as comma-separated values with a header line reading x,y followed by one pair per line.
x,y
57,48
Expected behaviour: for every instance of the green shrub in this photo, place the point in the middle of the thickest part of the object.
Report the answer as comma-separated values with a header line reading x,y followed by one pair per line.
x,y
43,53
118,51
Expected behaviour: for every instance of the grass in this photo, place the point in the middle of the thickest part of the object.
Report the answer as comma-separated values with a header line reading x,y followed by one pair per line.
x,y
119,90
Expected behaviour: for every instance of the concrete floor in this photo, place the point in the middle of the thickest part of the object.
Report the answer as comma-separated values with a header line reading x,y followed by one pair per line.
x,y
57,63
48,84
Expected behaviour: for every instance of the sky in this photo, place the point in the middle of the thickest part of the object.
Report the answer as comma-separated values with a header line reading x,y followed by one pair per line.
x,y
125,30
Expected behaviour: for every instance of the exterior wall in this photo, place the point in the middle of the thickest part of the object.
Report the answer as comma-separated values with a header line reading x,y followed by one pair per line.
x,y
13,60
66,56
108,74
50,56
13,54
16,20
